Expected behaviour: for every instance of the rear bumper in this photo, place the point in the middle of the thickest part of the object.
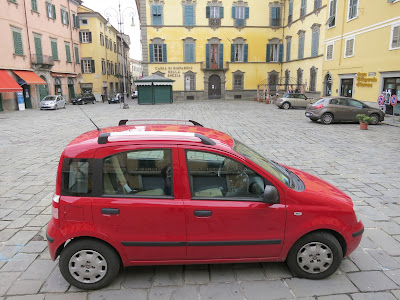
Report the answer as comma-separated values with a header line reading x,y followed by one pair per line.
x,y
54,239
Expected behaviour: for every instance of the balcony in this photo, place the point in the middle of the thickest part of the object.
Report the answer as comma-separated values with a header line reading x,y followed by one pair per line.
x,y
215,22
42,61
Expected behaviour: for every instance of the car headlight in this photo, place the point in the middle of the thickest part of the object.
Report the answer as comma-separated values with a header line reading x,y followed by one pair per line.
x,y
357,214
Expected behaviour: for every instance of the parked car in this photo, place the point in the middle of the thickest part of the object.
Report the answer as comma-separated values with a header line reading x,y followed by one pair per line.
x,y
134,94
84,99
341,109
152,194
291,100
53,102
115,99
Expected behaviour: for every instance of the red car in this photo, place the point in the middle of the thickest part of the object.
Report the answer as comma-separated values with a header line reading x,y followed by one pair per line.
x,y
158,194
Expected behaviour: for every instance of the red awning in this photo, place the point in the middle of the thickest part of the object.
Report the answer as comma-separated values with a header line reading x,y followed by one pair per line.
x,y
30,77
7,83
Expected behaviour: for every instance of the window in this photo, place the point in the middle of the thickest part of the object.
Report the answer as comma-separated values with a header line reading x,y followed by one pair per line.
x,y
239,52
274,52
34,5
103,66
116,69
240,14
83,21
158,53
275,16
51,10
156,14
188,15
287,79
349,47
17,37
189,52
64,17
395,37
214,14
315,40
139,173
317,4
355,103
76,47
37,39
353,9
115,47
299,77
87,66
190,81
214,55
68,52
54,49
303,8
290,16
238,81
329,52
106,42
85,37
288,47
76,179
313,79
101,39
75,20
332,14
219,177
301,44
273,80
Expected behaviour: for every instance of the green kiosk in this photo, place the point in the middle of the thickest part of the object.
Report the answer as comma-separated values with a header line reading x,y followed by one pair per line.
x,y
154,89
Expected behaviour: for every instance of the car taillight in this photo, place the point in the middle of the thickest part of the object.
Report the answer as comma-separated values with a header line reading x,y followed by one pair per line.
x,y
54,210
318,106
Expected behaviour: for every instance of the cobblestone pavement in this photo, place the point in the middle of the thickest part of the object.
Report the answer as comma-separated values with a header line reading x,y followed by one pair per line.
x,y
365,164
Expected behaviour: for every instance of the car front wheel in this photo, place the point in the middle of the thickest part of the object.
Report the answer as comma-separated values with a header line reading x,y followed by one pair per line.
x,y
94,101
89,264
315,256
286,105
375,119
327,118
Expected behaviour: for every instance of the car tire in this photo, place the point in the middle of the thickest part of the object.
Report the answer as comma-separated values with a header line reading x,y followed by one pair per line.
x,y
314,120
65,106
286,105
100,268
94,102
315,256
376,119
109,102
327,118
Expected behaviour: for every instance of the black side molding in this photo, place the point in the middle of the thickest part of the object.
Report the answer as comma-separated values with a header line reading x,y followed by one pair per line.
x,y
49,238
154,244
235,243
356,234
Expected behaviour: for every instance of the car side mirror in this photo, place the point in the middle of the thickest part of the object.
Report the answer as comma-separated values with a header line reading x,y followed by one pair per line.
x,y
271,195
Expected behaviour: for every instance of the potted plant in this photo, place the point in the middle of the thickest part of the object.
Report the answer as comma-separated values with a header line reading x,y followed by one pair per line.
x,y
364,121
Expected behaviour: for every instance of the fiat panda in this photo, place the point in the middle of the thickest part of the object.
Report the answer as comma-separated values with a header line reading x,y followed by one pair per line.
x,y
153,194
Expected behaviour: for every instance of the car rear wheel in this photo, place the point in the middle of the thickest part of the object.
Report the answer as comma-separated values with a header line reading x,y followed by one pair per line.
x,y
315,256
314,120
286,105
375,119
89,264
327,118
94,101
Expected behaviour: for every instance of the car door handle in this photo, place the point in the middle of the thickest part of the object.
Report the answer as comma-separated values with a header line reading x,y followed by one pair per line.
x,y
203,213
110,211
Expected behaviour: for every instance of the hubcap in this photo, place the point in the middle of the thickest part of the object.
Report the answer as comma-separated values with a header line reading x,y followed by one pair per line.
x,y
87,266
315,258
327,119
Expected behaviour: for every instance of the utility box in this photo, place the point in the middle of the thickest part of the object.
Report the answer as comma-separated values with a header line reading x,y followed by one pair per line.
x,y
154,89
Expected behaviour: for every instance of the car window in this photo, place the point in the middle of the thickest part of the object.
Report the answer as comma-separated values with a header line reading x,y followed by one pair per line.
x,y
215,176
287,96
338,101
355,103
140,173
302,96
76,177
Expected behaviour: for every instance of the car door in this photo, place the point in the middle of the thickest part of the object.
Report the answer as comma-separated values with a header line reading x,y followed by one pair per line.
x,y
225,215
303,101
339,108
355,108
137,201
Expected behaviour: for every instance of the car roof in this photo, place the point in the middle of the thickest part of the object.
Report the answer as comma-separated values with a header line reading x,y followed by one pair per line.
x,y
170,134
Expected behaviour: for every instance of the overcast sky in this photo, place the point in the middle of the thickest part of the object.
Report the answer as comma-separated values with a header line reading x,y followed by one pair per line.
x,y
134,32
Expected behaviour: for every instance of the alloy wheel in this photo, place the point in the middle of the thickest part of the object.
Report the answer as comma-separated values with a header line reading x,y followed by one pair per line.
x,y
315,258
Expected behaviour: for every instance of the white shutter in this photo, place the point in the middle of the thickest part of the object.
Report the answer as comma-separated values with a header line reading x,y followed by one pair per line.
x,y
396,37
329,52
349,48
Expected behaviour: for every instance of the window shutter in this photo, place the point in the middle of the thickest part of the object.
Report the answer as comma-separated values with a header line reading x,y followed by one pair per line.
x,y
17,43
154,10
349,47
189,15
151,51
290,8
90,36
246,52
278,16
92,65
221,12
53,9
76,55
268,53
396,37
67,14
329,52
68,52
301,46
233,12
207,12
247,12
288,49
191,51
232,52
315,43
34,5
164,52
54,50
207,56
271,16
280,52
82,69
73,21
186,54
221,56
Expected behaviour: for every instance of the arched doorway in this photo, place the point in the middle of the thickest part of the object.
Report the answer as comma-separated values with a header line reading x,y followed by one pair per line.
x,y
328,85
43,89
214,87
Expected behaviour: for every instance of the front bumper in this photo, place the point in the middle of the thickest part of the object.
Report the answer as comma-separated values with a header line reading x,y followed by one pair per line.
x,y
354,240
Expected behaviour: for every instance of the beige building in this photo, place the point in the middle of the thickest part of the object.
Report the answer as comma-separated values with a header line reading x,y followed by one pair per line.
x,y
42,39
136,71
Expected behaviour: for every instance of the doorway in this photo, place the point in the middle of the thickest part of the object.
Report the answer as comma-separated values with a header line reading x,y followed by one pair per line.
x,y
43,89
346,87
392,87
214,87
328,85
26,91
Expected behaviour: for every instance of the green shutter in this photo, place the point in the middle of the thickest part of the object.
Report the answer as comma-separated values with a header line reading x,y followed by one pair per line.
x,y
232,52
247,12
67,17
76,55
207,56
233,12
34,5
221,56
207,12
280,53
53,9
18,49
38,49
221,12
164,53
54,50
268,52
151,51
246,52
68,52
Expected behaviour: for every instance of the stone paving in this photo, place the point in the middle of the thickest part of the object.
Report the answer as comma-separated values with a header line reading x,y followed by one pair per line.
x,y
365,164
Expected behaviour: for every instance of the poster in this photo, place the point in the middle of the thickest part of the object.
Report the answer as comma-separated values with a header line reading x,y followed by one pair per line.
x,y
21,102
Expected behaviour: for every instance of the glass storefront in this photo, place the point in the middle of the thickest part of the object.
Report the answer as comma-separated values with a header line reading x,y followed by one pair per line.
x,y
346,87
391,86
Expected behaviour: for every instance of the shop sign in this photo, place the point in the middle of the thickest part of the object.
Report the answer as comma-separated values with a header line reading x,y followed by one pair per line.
x,y
174,71
364,81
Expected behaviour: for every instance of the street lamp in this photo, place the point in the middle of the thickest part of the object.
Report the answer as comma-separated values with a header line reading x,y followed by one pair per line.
x,y
130,11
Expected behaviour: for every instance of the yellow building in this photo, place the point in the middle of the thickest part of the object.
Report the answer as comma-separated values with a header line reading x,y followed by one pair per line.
x,y
225,49
362,50
99,54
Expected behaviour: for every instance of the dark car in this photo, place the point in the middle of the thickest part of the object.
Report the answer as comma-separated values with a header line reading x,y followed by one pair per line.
x,y
115,99
342,109
84,99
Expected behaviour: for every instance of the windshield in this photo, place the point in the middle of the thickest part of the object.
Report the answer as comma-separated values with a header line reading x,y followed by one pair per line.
x,y
271,167
49,98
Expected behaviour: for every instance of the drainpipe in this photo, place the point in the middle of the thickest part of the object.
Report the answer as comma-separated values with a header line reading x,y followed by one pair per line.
x,y
72,39
27,34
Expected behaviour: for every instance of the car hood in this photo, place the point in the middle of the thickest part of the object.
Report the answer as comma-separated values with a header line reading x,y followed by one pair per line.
x,y
320,190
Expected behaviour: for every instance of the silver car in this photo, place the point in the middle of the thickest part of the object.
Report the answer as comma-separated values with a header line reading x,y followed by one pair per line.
x,y
53,102
290,100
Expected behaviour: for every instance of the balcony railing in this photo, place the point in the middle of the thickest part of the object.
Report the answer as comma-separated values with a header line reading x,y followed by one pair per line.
x,y
215,22
42,60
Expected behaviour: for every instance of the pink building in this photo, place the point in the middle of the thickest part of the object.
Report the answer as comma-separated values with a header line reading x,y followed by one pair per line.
x,y
40,51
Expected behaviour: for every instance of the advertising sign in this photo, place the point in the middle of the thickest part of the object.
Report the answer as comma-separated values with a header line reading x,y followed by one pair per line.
x,y
21,102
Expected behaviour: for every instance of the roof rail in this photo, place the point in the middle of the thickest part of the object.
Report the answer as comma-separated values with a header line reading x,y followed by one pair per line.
x,y
123,122
103,137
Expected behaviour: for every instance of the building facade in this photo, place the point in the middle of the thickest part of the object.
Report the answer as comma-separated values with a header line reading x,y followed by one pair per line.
x,y
42,53
136,71
225,49
362,50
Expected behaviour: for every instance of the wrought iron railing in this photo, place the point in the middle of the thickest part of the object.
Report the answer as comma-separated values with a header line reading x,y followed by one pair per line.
x,y
42,59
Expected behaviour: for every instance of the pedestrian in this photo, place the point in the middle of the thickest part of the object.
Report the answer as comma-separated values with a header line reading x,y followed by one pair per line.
x,y
103,96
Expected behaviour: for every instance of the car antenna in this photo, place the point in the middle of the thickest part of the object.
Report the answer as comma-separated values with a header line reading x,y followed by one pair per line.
x,y
98,129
